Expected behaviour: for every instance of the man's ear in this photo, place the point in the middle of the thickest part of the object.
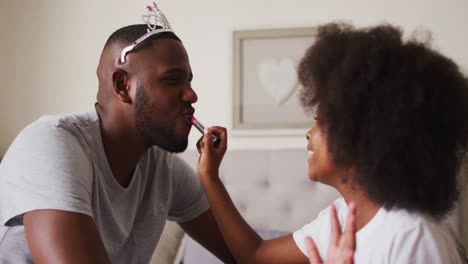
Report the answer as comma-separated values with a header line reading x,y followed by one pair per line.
x,y
121,85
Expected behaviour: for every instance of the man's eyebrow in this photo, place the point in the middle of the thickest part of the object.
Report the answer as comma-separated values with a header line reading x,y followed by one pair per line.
x,y
178,71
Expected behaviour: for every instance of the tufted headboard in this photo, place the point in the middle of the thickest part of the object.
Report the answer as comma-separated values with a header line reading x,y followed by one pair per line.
x,y
271,188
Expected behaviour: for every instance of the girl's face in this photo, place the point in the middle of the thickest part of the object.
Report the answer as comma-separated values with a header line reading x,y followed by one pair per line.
x,y
321,167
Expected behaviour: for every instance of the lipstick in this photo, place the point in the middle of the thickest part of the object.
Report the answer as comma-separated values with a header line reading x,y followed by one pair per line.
x,y
201,128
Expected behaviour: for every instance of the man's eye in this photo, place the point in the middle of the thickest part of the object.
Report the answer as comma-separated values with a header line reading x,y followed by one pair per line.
x,y
172,80
176,80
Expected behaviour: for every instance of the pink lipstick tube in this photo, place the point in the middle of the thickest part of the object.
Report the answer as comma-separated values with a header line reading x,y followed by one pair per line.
x,y
201,128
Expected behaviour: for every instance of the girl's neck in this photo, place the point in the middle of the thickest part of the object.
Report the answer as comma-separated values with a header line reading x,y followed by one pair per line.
x,y
366,208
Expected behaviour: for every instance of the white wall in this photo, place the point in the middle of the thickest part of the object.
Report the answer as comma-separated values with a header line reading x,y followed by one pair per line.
x,y
49,49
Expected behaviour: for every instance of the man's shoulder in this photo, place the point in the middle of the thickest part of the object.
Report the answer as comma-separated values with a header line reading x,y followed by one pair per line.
x,y
78,125
69,132
67,120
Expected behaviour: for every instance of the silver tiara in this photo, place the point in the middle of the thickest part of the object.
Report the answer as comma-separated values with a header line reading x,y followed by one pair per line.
x,y
153,19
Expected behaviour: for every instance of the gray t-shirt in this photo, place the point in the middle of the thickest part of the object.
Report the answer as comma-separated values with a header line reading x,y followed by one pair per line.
x,y
58,162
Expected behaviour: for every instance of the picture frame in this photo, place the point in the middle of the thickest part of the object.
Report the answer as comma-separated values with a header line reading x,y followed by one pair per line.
x,y
265,81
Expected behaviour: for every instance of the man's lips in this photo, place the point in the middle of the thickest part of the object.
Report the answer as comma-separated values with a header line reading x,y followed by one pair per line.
x,y
188,114
189,111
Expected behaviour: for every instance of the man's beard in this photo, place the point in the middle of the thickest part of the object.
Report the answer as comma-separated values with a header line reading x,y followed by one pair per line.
x,y
156,132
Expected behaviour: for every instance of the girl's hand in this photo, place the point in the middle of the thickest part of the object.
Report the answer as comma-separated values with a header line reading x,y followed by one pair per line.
x,y
211,156
342,245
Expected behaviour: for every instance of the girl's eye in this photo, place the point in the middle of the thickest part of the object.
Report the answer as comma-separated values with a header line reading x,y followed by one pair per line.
x,y
316,120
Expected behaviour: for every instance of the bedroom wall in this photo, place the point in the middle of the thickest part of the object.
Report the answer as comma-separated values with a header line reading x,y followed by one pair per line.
x,y
49,49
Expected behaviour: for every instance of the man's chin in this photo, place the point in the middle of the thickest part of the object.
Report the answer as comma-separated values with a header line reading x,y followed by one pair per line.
x,y
176,147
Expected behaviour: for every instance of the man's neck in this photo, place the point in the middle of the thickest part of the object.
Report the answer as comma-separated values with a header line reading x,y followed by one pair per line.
x,y
122,147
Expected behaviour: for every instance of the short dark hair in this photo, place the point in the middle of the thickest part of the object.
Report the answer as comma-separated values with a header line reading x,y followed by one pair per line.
x,y
394,111
128,34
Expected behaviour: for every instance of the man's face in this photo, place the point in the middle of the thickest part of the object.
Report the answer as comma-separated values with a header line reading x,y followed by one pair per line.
x,y
164,95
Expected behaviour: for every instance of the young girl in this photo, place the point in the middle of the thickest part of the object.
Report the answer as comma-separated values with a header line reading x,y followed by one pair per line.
x,y
390,134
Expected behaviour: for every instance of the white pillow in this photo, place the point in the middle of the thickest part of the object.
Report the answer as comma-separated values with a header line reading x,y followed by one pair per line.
x,y
169,245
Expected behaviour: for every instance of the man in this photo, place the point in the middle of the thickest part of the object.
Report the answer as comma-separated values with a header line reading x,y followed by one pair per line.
x,y
97,187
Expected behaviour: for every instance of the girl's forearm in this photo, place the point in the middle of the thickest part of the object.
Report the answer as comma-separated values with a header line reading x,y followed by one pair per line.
x,y
241,239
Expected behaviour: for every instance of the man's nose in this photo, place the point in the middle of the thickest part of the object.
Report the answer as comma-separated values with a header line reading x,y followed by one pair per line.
x,y
190,96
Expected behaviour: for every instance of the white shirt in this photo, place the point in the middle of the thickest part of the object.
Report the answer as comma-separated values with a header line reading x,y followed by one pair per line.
x,y
394,236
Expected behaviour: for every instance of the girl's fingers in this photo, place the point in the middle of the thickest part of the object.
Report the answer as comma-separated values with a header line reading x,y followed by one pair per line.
x,y
221,134
199,144
335,226
207,141
314,256
349,238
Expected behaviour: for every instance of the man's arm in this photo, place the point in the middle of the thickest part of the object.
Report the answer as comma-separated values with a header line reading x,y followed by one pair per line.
x,y
205,231
63,237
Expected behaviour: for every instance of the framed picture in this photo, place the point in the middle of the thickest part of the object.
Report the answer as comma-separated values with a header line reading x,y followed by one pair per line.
x,y
265,79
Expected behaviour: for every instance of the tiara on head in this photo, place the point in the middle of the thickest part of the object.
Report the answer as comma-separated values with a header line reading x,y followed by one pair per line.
x,y
153,19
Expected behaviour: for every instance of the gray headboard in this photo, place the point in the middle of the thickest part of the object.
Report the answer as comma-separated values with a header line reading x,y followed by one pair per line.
x,y
271,188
